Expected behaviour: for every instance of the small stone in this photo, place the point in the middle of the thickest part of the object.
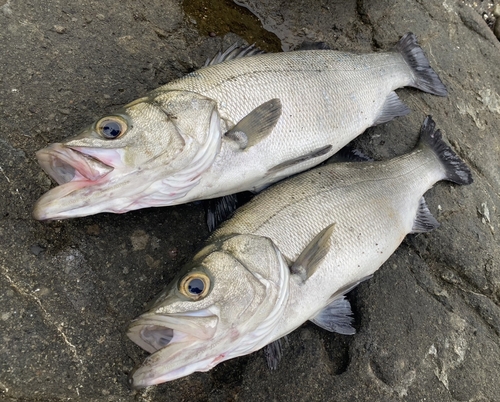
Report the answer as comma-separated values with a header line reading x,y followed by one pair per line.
x,y
36,249
59,29
100,17
139,240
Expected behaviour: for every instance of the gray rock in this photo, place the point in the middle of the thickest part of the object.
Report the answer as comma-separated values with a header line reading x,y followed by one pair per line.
x,y
428,322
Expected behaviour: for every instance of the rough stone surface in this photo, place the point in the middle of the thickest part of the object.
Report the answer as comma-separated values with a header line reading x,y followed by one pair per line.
x,y
428,322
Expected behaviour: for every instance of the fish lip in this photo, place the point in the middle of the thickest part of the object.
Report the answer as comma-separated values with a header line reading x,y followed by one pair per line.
x,y
65,164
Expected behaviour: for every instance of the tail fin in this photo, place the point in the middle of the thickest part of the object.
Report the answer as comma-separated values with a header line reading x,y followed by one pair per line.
x,y
456,169
426,78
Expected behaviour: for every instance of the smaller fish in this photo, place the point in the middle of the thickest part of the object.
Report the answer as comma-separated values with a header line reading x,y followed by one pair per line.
x,y
288,256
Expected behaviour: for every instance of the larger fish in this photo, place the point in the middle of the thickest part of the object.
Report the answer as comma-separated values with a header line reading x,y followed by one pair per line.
x,y
337,223
238,125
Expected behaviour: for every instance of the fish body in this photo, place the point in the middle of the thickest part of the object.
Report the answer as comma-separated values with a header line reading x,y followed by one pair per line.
x,y
238,125
289,256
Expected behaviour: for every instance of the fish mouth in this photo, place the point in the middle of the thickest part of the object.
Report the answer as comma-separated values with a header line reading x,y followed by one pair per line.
x,y
65,164
176,342
72,168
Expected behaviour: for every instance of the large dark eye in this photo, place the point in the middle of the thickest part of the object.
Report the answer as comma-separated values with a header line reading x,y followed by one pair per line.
x,y
111,127
195,285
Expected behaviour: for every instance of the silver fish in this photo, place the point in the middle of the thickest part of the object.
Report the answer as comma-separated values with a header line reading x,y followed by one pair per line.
x,y
238,125
289,256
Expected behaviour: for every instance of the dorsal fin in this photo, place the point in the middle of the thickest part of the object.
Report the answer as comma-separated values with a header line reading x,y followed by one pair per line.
x,y
308,261
234,51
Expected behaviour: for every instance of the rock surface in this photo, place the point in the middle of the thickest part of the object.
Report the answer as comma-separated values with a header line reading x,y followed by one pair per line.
x,y
428,322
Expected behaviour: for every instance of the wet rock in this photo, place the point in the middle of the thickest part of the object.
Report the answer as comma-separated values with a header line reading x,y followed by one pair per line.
x,y
428,322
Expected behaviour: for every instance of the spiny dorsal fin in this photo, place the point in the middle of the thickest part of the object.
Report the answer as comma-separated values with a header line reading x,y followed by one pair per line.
x,y
234,51
424,221
219,209
313,154
308,261
256,125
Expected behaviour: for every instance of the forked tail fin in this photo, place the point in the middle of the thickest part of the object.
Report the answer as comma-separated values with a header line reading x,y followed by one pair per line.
x,y
426,78
455,168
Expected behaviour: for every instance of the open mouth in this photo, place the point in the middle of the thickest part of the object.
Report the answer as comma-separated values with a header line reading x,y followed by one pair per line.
x,y
176,343
153,332
65,165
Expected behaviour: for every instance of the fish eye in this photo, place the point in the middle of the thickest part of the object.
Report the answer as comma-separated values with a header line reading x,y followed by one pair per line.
x,y
195,285
111,127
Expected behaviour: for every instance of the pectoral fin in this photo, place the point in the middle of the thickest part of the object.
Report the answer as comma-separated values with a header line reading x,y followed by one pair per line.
x,y
308,261
256,125
314,154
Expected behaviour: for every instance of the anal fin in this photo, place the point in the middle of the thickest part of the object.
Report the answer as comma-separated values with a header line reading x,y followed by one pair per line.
x,y
393,107
424,221
336,317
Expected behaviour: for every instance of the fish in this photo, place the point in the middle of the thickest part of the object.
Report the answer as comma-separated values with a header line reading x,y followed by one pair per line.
x,y
288,256
244,121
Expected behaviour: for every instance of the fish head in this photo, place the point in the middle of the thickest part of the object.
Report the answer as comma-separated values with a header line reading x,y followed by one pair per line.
x,y
224,304
149,153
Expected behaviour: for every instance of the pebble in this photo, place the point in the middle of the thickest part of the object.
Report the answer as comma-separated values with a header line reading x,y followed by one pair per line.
x,y
59,29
